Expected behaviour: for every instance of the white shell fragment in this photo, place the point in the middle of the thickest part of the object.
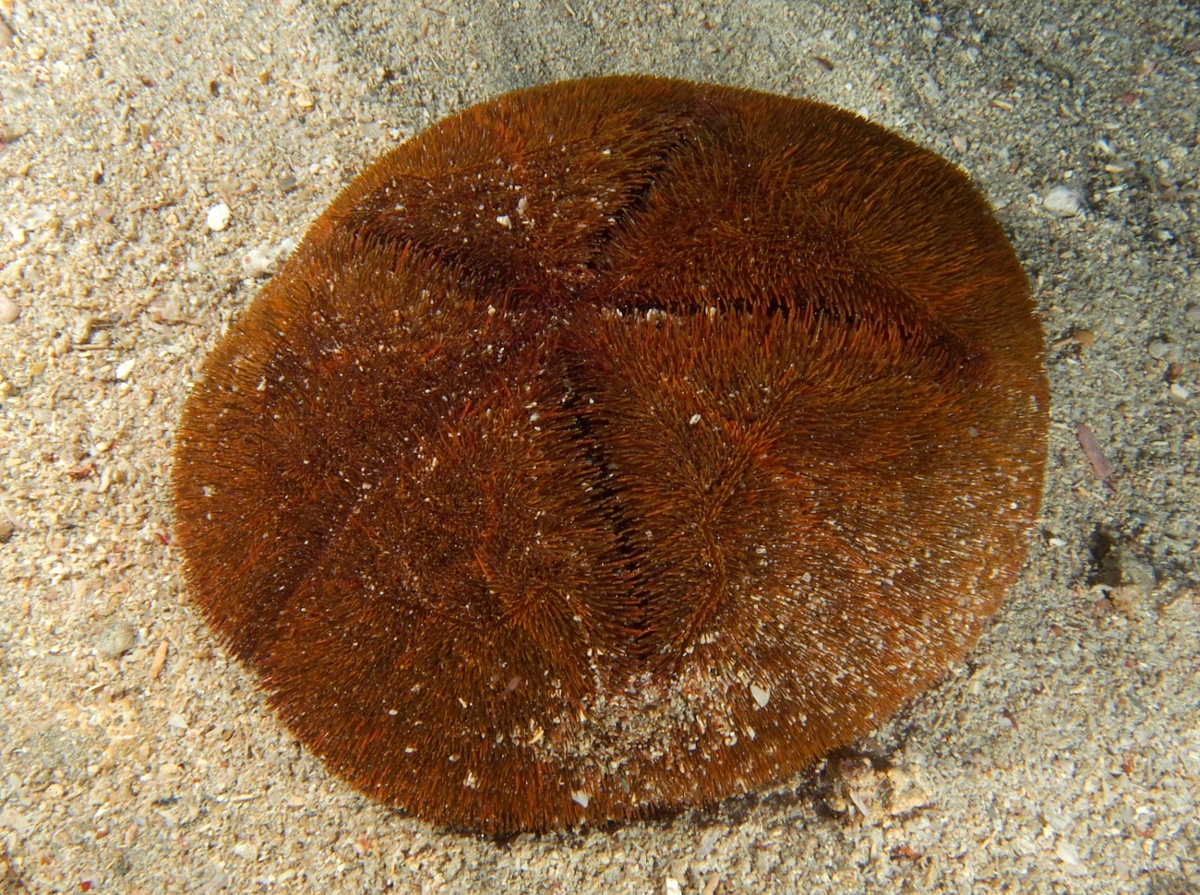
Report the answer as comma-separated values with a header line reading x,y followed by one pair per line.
x,y
261,260
218,217
1063,202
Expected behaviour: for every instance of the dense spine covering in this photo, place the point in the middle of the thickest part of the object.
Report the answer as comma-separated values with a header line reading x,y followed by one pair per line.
x,y
614,446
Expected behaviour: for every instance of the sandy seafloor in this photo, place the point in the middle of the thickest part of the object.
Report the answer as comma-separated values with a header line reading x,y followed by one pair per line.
x,y
136,757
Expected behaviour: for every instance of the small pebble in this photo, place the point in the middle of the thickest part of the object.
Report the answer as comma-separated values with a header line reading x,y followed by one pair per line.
x,y
246,850
218,217
1090,445
9,310
125,369
1063,202
6,531
1160,349
82,331
116,640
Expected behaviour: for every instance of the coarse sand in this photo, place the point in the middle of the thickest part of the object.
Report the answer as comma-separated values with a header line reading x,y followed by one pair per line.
x,y
159,158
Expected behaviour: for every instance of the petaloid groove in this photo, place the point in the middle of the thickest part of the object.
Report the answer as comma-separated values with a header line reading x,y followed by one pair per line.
x,y
614,446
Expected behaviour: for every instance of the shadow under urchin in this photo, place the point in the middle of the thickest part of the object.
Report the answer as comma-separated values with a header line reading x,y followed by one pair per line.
x,y
616,446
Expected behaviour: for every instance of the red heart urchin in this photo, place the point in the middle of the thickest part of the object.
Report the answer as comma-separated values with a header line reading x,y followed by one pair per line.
x,y
616,445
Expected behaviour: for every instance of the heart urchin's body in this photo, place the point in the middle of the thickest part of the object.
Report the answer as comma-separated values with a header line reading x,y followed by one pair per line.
x,y
616,445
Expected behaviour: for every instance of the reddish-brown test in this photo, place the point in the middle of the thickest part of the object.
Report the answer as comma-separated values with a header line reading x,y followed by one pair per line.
x,y
616,446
